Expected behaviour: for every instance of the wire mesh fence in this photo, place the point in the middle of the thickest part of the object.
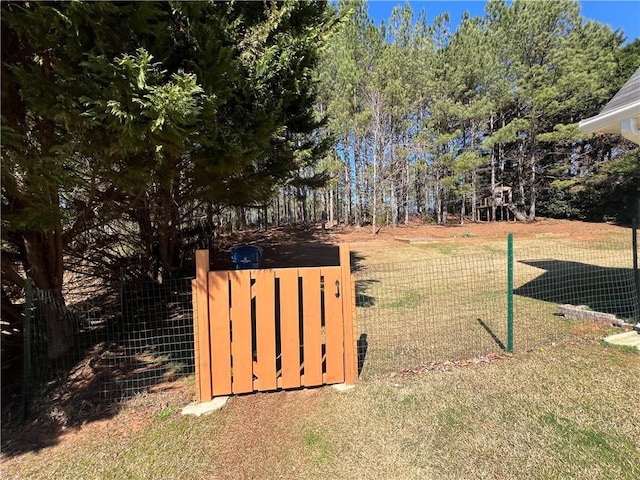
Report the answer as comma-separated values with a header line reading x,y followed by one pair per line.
x,y
598,275
94,349
107,347
429,311
412,314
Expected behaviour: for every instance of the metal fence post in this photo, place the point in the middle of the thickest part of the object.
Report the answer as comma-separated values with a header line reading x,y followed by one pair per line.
x,y
27,374
636,271
510,293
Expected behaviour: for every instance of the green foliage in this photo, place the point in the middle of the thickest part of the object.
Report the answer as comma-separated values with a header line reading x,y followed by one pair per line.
x,y
140,112
557,201
435,116
609,191
562,133
628,59
148,112
165,413
141,105
612,189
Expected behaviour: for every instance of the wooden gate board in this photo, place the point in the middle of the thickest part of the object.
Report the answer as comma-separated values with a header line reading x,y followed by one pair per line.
x,y
268,329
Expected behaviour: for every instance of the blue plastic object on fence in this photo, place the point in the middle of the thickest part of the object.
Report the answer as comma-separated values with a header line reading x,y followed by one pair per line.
x,y
246,256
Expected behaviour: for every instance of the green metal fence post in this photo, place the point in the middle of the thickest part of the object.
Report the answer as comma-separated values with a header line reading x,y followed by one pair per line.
x,y
510,293
26,355
636,270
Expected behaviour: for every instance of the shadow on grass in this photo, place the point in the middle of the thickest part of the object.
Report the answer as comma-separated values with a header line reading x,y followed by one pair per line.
x,y
363,345
492,335
356,259
602,289
362,299
141,341
281,247
138,339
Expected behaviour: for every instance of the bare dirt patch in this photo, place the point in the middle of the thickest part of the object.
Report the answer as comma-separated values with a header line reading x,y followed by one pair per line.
x,y
304,246
543,228
310,246
247,448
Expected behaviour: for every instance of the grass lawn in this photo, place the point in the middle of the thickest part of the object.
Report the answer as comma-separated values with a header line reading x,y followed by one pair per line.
x,y
423,303
564,407
569,411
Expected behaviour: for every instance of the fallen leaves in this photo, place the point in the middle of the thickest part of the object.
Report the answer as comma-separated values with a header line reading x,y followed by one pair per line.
x,y
449,365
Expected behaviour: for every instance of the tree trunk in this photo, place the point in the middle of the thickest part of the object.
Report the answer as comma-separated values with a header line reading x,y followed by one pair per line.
x,y
429,196
59,321
243,218
520,171
532,190
168,220
474,194
358,179
315,207
406,193
302,196
445,211
140,212
394,204
288,208
348,192
438,200
493,184
331,215
374,201
44,265
378,152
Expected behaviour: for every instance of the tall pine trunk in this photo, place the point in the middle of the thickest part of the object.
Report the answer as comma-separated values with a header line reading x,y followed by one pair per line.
x,y
438,200
357,155
493,184
348,191
474,194
532,189
394,203
331,208
406,193
520,171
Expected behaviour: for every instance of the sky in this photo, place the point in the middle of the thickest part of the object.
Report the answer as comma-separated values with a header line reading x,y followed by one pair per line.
x,y
619,14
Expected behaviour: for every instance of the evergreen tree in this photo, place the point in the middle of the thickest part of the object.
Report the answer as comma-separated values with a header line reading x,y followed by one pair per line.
x,y
140,113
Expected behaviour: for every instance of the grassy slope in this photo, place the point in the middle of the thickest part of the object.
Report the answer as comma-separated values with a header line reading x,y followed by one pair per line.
x,y
560,413
566,412
430,302
570,411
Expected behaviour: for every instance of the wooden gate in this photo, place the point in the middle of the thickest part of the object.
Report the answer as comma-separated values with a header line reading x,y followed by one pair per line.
x,y
269,329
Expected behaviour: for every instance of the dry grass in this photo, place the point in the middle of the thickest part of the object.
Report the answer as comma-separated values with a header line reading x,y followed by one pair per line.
x,y
447,300
565,412
568,412
429,310
555,410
